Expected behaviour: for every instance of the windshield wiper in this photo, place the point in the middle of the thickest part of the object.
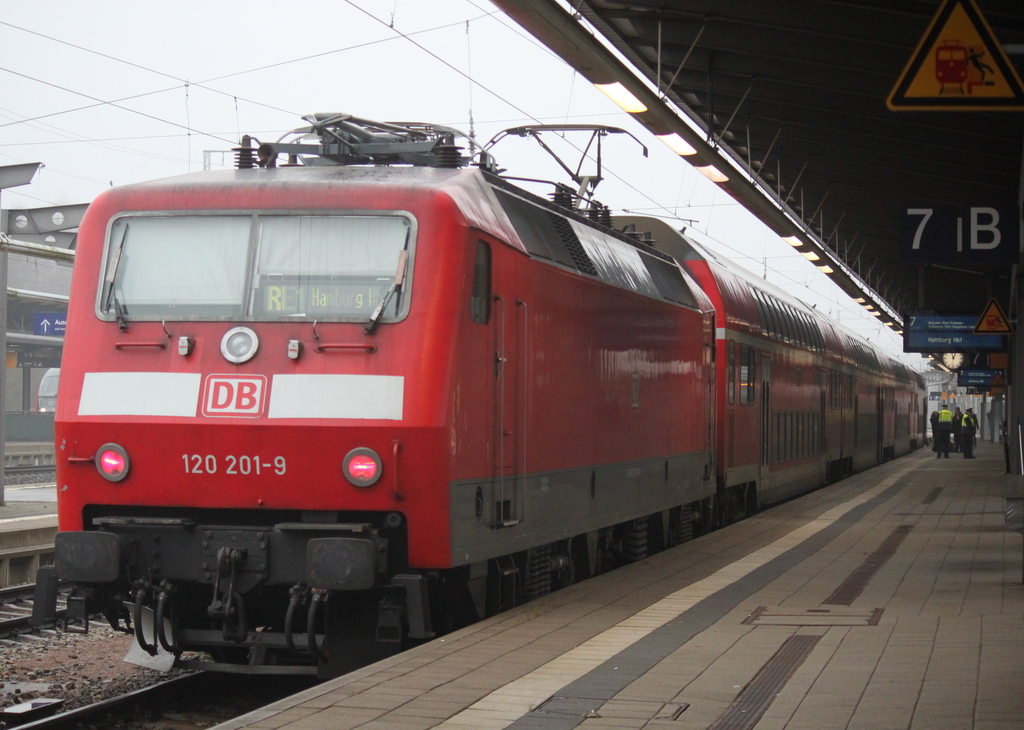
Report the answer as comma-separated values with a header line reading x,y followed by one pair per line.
x,y
371,325
108,283
120,312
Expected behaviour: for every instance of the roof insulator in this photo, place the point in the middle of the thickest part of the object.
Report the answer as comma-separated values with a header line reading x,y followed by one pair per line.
x,y
245,159
448,156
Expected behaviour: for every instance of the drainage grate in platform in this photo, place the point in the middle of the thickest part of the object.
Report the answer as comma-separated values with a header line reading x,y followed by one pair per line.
x,y
572,706
852,587
932,496
764,616
757,697
595,707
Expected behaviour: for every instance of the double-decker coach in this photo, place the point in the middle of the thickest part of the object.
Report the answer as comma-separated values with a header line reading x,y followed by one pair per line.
x,y
801,401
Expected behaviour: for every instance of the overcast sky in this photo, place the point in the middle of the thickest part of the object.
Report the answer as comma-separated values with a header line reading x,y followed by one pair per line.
x,y
113,92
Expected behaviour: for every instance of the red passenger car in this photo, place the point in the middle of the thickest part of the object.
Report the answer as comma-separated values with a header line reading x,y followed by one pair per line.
x,y
381,393
802,402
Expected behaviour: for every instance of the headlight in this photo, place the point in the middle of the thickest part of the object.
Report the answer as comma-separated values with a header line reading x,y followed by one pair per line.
x,y
112,462
362,467
239,345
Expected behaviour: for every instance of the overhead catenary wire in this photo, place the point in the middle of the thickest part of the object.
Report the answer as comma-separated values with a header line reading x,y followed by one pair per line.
x,y
205,83
116,106
670,211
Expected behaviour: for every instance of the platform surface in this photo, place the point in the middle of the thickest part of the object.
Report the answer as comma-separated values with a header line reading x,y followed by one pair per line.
x,y
28,503
890,600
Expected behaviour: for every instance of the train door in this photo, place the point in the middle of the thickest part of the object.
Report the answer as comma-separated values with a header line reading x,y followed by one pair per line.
x,y
511,337
880,423
766,415
821,442
710,404
858,425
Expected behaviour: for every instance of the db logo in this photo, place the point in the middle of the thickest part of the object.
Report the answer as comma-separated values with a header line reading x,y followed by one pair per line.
x,y
233,395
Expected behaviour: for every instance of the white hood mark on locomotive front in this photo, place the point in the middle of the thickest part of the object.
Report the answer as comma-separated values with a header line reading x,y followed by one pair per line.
x,y
181,395
337,396
140,394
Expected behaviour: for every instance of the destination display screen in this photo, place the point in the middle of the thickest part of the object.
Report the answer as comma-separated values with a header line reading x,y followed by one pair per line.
x,y
281,296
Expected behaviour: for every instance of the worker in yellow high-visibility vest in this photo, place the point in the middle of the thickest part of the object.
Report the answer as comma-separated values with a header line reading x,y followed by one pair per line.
x,y
943,430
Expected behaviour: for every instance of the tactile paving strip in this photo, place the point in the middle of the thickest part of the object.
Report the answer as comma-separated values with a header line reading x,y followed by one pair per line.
x,y
755,699
852,587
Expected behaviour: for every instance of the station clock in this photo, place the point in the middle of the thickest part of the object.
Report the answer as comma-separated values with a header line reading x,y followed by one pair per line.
x,y
953,360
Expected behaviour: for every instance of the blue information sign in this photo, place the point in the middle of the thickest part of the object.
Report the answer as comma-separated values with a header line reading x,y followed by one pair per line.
x,y
979,378
942,322
946,333
50,323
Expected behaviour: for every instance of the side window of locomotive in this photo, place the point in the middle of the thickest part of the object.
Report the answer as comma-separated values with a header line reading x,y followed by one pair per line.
x,y
480,301
183,267
331,267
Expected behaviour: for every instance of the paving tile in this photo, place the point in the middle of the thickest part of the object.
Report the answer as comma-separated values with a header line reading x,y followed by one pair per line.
x,y
334,718
283,719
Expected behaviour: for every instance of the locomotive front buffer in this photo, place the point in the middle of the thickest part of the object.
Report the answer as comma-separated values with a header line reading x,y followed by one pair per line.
x,y
181,586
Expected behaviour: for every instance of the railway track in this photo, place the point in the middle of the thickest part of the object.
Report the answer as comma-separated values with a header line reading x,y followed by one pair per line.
x,y
196,700
28,468
16,604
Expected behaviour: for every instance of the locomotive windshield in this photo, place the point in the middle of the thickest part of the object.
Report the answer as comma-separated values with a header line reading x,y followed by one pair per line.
x,y
257,267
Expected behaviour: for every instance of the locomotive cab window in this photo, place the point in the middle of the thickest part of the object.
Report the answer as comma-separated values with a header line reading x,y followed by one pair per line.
x,y
480,302
163,267
257,267
328,266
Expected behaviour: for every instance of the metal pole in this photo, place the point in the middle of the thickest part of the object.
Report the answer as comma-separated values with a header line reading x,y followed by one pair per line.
x,y
3,353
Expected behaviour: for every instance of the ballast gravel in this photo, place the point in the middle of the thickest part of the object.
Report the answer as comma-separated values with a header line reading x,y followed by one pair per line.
x,y
81,669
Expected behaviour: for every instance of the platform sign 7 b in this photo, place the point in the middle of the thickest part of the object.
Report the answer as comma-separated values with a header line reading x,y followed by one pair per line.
x,y
948,234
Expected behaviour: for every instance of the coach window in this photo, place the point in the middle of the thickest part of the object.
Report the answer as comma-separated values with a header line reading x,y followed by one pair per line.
x,y
805,331
790,325
747,355
788,328
731,378
798,329
836,390
778,322
480,302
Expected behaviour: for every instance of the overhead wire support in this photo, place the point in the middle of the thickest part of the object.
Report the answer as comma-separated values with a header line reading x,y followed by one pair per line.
x,y
725,129
39,250
683,62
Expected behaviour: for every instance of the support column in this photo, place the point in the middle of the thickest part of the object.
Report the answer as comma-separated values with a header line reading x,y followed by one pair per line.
x,y
1015,389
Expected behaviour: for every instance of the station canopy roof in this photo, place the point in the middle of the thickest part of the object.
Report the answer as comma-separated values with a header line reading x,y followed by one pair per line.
x,y
793,96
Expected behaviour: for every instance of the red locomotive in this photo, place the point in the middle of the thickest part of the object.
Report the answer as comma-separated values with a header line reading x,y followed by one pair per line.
x,y
377,392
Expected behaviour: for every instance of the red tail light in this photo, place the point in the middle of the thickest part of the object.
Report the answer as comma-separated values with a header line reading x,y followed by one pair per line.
x,y
362,467
112,462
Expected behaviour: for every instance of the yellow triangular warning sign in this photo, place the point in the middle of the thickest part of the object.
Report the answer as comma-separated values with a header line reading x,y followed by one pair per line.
x,y
993,321
958,65
998,381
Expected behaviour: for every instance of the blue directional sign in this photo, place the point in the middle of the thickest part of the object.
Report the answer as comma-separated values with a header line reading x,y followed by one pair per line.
x,y
980,378
947,333
50,323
